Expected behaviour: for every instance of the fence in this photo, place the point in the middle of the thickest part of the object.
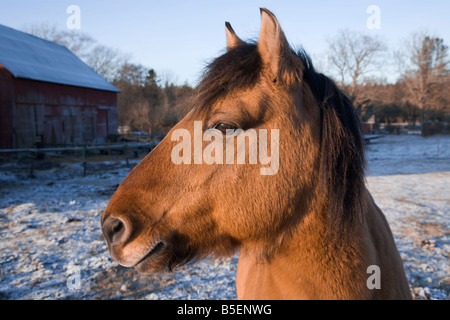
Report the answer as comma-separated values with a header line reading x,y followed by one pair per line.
x,y
31,153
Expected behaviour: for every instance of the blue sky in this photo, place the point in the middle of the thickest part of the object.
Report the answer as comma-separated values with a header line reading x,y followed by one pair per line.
x,y
182,36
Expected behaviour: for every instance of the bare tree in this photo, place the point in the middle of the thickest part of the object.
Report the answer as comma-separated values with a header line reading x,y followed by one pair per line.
x,y
78,42
353,54
129,80
131,74
423,64
339,57
167,77
104,60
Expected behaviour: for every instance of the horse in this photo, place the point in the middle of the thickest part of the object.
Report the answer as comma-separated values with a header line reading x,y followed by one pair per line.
x,y
307,229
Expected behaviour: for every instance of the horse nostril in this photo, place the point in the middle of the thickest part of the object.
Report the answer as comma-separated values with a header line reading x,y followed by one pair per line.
x,y
118,226
114,230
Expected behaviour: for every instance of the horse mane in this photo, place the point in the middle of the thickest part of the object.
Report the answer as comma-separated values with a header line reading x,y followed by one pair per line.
x,y
342,156
342,159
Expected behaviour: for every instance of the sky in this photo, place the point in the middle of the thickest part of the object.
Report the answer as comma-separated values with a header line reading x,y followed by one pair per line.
x,y
181,37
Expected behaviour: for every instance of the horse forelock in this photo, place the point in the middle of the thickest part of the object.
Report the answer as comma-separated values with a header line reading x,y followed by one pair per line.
x,y
239,68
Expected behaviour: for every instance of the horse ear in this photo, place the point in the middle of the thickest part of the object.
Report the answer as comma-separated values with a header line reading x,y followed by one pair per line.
x,y
275,51
232,39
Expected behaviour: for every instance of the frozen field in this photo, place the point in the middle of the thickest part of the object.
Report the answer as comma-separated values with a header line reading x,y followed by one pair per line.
x,y
51,245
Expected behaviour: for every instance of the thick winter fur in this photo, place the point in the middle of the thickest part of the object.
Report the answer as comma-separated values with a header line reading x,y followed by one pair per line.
x,y
310,231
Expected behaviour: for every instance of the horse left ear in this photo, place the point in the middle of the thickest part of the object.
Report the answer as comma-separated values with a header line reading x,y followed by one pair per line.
x,y
232,39
276,52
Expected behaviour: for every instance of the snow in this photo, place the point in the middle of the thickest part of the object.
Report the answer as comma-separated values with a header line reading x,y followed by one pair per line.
x,y
52,247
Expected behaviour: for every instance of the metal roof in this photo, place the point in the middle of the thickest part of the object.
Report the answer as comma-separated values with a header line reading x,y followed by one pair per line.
x,y
30,57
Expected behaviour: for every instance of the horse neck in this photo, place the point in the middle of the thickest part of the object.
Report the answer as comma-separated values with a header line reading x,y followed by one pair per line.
x,y
308,264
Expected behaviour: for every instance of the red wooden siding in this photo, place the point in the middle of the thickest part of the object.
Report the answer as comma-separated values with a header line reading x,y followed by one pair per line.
x,y
53,114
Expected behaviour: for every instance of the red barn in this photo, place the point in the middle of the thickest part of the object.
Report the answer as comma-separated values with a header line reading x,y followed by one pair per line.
x,y
48,96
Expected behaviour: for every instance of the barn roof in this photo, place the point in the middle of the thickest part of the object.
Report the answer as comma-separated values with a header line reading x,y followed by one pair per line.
x,y
30,57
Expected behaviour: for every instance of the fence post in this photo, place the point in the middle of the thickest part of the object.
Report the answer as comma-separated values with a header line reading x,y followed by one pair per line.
x,y
437,146
84,160
30,157
125,150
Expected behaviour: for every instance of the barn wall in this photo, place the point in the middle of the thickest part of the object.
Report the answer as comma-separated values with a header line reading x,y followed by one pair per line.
x,y
53,114
6,108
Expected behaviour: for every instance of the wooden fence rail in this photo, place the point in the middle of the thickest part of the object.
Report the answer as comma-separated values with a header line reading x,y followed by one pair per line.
x,y
81,148
84,149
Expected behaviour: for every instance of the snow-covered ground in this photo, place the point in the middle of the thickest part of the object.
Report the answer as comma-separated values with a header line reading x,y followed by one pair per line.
x,y
51,245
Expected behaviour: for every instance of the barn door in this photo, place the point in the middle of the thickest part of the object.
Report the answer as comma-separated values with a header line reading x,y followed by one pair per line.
x,y
25,126
102,123
54,133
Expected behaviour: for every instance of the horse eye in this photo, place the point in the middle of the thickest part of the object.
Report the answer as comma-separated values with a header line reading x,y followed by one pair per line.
x,y
223,127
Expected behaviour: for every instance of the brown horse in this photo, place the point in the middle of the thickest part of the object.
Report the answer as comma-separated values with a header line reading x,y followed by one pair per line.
x,y
309,230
